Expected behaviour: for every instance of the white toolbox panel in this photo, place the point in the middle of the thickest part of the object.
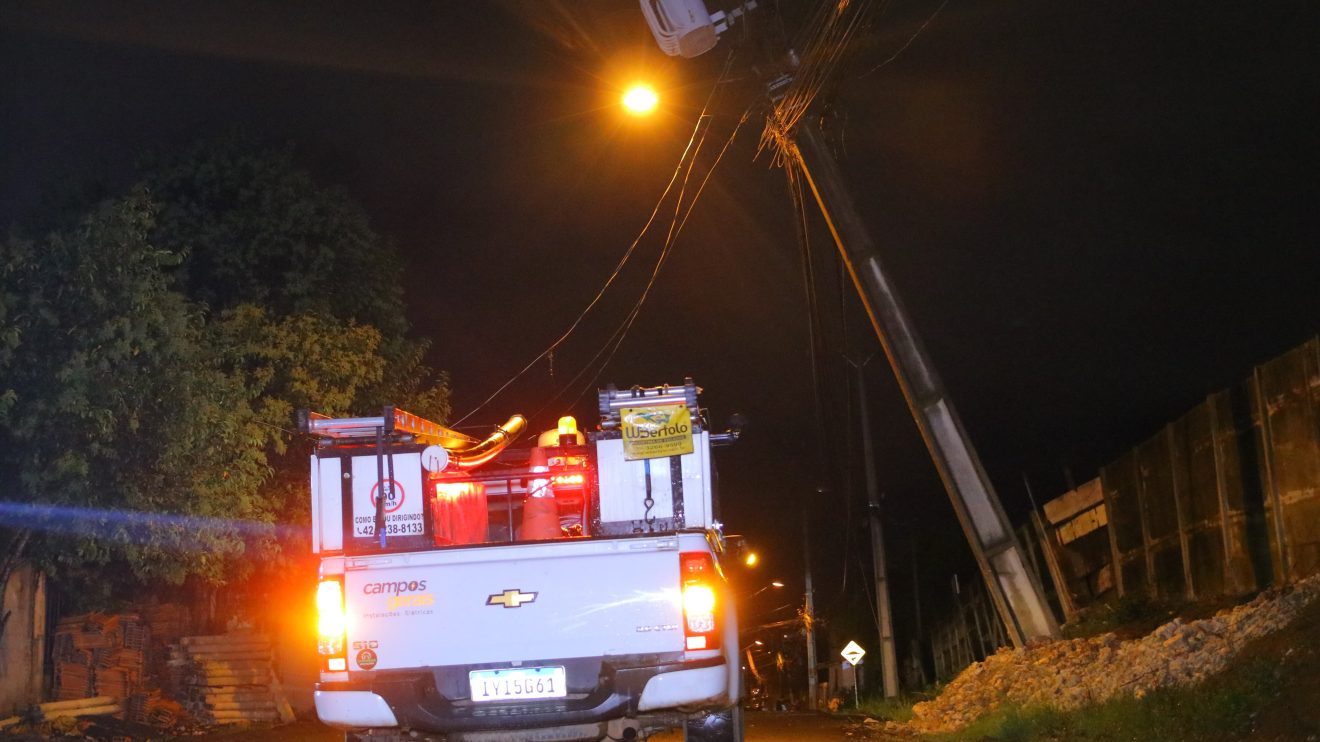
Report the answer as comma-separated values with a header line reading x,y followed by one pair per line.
x,y
623,489
327,505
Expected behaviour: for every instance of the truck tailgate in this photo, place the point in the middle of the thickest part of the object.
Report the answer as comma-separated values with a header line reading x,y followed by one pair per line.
x,y
517,602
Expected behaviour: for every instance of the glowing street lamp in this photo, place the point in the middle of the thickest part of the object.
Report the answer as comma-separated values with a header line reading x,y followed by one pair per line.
x,y
640,100
751,559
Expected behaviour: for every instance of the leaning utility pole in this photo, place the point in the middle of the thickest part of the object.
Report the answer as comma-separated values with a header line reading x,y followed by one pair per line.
x,y
1010,581
888,657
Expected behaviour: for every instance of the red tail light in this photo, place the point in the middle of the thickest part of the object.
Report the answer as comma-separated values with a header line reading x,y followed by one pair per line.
x,y
700,605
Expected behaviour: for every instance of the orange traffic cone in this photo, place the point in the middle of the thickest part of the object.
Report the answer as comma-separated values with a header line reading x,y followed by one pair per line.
x,y
540,511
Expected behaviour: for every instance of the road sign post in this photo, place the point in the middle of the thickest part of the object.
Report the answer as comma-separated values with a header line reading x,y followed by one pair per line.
x,y
854,654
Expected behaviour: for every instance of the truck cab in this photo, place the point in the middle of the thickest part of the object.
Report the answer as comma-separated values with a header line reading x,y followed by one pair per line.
x,y
568,590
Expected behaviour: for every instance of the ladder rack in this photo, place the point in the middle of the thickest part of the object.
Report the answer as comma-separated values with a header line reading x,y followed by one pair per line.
x,y
392,423
612,400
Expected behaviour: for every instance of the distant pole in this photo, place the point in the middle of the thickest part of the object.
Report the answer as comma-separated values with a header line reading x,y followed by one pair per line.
x,y
916,584
915,643
1010,581
1046,537
809,619
888,656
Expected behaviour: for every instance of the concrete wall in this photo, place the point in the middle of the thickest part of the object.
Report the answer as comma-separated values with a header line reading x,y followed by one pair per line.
x,y
22,648
1222,501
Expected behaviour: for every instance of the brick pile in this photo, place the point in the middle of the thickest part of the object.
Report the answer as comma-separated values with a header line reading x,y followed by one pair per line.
x,y
98,654
122,657
227,679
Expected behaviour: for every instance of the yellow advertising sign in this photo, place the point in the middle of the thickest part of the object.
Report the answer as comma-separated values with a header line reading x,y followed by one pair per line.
x,y
656,432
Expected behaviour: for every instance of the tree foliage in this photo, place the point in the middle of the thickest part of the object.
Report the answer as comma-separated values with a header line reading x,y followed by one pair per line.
x,y
153,351
117,404
254,229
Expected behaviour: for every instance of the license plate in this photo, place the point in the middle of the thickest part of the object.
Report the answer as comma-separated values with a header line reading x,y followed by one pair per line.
x,y
517,683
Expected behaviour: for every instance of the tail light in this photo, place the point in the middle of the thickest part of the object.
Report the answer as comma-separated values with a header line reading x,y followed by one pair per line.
x,y
331,626
700,609
569,481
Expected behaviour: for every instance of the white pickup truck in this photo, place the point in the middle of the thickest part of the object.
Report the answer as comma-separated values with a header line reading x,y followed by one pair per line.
x,y
569,591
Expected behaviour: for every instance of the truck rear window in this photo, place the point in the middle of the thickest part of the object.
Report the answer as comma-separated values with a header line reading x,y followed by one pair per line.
x,y
501,503
466,510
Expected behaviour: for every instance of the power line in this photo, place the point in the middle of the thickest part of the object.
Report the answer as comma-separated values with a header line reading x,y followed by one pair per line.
x,y
676,228
618,268
825,41
907,43
622,329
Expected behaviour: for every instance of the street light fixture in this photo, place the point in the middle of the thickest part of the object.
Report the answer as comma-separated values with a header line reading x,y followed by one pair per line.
x,y
640,100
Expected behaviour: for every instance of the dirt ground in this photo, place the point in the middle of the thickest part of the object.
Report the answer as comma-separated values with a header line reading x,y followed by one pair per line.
x,y
1295,712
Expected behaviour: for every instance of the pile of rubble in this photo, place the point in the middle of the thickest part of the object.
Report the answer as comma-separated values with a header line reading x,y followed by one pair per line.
x,y
1071,673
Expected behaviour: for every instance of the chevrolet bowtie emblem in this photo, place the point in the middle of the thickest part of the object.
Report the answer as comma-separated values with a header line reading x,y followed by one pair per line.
x,y
511,598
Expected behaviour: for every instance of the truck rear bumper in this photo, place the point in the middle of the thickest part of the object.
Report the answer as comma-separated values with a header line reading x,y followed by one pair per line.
x,y
353,708
416,699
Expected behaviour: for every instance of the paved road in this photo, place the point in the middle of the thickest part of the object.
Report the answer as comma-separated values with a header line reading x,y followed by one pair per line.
x,y
766,726
762,726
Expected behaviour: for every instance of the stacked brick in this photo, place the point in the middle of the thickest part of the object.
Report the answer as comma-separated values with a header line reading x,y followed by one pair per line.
x,y
227,679
146,667
151,707
98,654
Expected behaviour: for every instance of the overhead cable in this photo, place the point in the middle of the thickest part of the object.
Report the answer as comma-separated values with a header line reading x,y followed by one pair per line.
x,y
907,43
637,308
828,35
618,268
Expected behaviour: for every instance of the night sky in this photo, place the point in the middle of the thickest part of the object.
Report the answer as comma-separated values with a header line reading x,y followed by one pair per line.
x,y
1097,212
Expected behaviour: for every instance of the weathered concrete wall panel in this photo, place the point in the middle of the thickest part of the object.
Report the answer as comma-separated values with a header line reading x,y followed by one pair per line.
x,y
22,648
1287,395
1221,502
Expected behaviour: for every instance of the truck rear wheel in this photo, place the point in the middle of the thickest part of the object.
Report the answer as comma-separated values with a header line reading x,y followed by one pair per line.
x,y
716,726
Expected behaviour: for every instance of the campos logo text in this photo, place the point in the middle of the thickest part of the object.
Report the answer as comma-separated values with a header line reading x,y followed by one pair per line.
x,y
394,588
402,594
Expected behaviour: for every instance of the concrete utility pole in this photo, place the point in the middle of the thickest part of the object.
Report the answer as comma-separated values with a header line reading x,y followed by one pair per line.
x,y
809,620
1010,581
888,657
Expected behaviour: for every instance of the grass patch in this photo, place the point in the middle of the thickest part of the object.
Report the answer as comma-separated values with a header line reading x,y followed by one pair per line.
x,y
888,709
1220,709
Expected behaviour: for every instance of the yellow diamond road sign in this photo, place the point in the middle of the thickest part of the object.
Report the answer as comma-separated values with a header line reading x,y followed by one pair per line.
x,y
853,653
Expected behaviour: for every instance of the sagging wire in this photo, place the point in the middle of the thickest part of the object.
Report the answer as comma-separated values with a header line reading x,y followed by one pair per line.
x,y
848,460
813,306
907,43
623,329
675,229
655,271
813,339
618,268
828,35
